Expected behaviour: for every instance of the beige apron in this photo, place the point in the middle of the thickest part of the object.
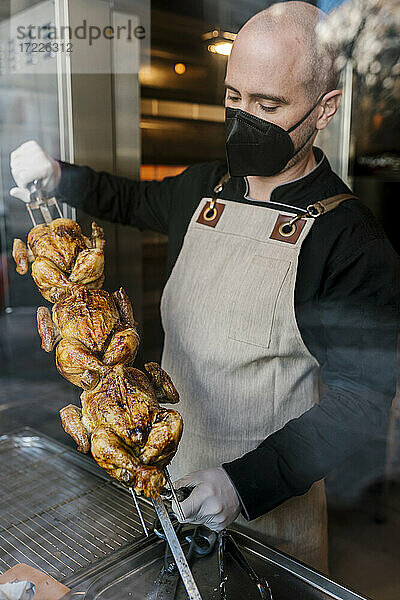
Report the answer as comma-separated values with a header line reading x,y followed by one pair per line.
x,y
235,353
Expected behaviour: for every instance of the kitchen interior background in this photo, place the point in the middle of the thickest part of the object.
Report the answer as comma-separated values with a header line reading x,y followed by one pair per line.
x,y
175,118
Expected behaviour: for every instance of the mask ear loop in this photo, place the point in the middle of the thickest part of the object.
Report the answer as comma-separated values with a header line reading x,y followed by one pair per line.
x,y
308,113
301,121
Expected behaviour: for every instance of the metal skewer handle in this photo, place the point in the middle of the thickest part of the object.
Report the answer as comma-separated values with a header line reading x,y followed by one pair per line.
x,y
39,201
176,549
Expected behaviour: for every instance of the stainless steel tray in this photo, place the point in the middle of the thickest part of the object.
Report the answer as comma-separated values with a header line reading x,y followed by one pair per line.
x,y
58,511
133,577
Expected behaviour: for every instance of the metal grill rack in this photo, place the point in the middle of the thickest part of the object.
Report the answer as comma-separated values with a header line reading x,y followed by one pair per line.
x,y
58,512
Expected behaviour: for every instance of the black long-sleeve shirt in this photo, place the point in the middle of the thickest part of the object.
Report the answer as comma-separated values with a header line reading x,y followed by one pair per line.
x,y
347,299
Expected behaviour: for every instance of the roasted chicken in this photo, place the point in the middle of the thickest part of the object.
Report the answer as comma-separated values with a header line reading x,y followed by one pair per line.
x,y
96,340
62,258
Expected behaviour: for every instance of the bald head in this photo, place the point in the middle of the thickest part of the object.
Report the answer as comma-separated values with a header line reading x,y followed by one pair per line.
x,y
281,71
286,35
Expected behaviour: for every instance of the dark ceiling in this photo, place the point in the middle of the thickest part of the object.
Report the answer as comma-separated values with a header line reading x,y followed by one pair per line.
x,y
229,14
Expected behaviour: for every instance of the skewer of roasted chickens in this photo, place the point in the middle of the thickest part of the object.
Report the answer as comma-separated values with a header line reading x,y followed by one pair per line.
x,y
96,341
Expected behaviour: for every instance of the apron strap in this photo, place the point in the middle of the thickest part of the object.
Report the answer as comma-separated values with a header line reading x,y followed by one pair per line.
x,y
319,208
324,206
313,210
217,190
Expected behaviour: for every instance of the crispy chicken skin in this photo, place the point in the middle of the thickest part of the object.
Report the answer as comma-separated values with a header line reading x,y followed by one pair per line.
x,y
96,340
163,386
89,316
122,402
119,461
71,419
88,267
46,328
62,258
20,255
163,439
60,242
74,361
124,307
132,437
123,347
93,336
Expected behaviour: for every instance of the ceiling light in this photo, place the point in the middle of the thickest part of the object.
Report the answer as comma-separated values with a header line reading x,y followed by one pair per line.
x,y
179,68
220,42
223,48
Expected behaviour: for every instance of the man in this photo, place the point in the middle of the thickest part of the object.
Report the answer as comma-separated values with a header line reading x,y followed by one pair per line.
x,y
256,308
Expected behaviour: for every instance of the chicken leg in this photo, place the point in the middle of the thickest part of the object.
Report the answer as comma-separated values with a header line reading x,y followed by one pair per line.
x,y
163,386
124,306
47,330
22,256
51,281
163,440
88,267
123,347
71,419
118,460
74,360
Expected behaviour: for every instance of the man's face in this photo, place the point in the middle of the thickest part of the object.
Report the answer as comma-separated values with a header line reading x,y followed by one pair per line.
x,y
267,77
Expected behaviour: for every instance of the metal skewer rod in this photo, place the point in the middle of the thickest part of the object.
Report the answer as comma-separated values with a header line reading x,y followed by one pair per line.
x,y
44,209
31,215
176,549
139,512
173,492
57,207
221,565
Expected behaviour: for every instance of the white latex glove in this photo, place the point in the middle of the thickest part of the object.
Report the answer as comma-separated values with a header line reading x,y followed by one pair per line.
x,y
213,501
30,162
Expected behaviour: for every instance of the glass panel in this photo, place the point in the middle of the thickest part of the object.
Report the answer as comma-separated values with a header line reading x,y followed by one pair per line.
x,y
31,391
28,111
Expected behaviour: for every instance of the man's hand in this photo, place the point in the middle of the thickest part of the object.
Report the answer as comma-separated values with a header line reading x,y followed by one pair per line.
x,y
30,162
213,501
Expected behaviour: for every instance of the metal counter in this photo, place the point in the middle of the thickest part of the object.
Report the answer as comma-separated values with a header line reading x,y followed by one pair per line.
x,y
133,577
59,512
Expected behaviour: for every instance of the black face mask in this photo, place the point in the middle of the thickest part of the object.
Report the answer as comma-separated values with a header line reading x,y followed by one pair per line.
x,y
257,147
